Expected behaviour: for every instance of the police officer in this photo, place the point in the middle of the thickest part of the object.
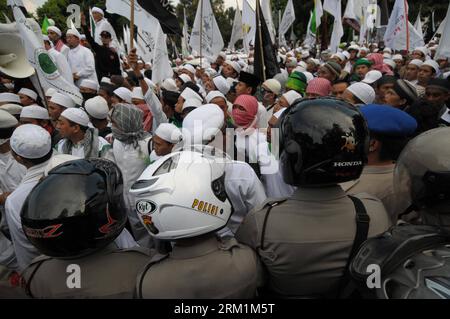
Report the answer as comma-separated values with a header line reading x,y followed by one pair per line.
x,y
305,241
415,258
76,228
390,131
182,198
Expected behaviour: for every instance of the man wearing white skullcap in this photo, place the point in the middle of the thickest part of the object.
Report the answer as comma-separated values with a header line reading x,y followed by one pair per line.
x,y
189,70
427,71
7,98
102,24
122,95
88,89
359,94
420,53
170,85
271,91
182,79
54,34
97,109
27,97
58,103
37,115
49,93
11,172
13,109
31,146
166,137
81,59
187,94
78,139
231,69
412,71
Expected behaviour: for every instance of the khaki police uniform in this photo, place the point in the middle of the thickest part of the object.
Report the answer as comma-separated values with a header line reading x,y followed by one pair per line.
x,y
210,269
379,182
109,273
308,239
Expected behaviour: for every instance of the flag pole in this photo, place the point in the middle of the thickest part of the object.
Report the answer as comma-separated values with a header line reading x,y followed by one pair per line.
x,y
132,25
258,15
201,31
407,25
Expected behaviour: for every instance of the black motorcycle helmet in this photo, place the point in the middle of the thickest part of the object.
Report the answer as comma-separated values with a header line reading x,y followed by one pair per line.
x,y
77,210
324,141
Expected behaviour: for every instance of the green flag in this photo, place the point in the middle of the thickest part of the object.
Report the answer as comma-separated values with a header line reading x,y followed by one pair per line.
x,y
45,25
313,23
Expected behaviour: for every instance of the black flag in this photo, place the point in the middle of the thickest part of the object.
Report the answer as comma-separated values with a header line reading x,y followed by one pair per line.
x,y
163,11
265,65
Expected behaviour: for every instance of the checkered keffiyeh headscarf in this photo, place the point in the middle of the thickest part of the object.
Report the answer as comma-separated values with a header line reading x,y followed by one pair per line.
x,y
128,120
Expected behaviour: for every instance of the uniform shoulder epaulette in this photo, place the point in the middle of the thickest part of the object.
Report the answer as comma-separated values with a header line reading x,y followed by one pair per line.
x,y
137,249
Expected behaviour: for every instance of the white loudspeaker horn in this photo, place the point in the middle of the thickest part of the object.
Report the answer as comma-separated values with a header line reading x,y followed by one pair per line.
x,y
13,58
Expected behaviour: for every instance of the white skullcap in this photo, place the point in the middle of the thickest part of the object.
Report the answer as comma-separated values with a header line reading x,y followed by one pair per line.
x,y
214,94
346,54
9,97
315,61
340,56
185,78
169,85
74,32
387,50
13,109
31,141
7,120
137,94
363,91
291,63
89,84
98,10
169,133
424,50
189,93
124,94
83,37
390,62
106,80
397,57
416,62
372,76
387,56
50,92
291,97
30,93
77,116
192,103
62,100
221,84
55,29
236,66
433,64
305,54
189,68
272,85
309,76
34,112
150,83
97,108
203,123
223,55
353,47
210,72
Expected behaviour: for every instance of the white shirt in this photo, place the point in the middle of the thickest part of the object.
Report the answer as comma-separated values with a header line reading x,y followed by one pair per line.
x,y
82,63
62,64
262,115
104,25
78,150
11,173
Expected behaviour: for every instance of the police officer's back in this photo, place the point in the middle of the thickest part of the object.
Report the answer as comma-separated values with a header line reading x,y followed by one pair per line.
x,y
182,198
73,217
305,241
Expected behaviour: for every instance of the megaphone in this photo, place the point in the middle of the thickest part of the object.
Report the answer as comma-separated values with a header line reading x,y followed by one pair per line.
x,y
13,58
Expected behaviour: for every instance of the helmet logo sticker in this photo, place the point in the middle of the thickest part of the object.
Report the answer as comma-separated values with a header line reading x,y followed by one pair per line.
x,y
108,227
145,207
206,207
350,142
47,232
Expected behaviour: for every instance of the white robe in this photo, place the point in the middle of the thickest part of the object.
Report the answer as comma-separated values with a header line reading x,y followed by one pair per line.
x,y
82,63
62,64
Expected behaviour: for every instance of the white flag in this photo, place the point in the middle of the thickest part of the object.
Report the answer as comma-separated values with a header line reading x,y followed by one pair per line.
x,y
418,26
440,30
185,40
267,13
310,38
248,25
443,51
319,12
399,30
38,57
349,12
334,8
205,26
237,32
144,48
288,18
162,69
